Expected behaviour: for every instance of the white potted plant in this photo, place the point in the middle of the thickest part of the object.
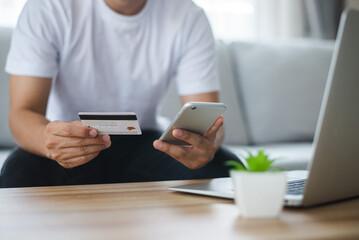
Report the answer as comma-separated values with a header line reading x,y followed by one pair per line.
x,y
259,188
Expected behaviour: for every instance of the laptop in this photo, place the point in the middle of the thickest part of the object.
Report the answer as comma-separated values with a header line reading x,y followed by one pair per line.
x,y
334,168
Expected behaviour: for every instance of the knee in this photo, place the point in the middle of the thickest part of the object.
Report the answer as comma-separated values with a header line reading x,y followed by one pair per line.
x,y
20,169
18,160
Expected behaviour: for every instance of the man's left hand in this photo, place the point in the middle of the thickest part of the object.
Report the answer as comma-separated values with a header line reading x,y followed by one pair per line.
x,y
201,149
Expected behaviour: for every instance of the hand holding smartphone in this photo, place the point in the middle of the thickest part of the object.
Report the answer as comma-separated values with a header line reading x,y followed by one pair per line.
x,y
196,117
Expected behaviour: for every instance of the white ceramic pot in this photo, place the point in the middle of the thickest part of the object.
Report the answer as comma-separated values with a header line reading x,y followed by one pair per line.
x,y
259,194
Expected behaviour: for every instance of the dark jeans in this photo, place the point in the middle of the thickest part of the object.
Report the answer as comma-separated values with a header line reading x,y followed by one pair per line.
x,y
129,159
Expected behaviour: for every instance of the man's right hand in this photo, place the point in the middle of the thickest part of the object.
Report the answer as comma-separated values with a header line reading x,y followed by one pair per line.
x,y
71,144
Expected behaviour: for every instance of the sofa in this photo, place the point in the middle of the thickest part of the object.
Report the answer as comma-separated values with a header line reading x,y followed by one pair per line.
x,y
273,93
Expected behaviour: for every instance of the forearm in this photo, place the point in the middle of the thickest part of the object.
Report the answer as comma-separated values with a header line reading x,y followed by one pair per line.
x,y
27,128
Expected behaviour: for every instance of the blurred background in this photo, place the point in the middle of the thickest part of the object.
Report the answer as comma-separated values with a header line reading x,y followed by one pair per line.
x,y
270,54
250,19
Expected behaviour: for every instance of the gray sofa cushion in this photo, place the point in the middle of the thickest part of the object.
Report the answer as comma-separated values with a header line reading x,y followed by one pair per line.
x,y
5,135
235,128
281,87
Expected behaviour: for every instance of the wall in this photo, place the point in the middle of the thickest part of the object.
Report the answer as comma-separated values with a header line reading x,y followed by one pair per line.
x,y
353,4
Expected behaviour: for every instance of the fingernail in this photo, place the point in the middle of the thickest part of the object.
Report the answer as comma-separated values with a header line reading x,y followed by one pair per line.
x,y
107,145
158,145
178,132
93,132
106,138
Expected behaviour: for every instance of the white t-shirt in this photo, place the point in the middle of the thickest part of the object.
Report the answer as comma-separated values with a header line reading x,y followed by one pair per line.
x,y
100,60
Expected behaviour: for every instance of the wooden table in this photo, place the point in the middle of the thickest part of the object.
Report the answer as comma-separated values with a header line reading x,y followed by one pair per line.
x,y
151,211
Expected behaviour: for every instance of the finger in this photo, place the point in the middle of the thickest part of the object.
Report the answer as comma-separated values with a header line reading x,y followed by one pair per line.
x,y
183,154
194,139
187,155
84,150
211,133
75,162
77,141
77,123
175,151
67,129
69,153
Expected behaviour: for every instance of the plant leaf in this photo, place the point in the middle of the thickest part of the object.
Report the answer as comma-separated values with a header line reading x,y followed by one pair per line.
x,y
259,162
237,166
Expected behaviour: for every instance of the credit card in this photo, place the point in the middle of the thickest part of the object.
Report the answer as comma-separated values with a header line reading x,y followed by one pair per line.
x,y
112,123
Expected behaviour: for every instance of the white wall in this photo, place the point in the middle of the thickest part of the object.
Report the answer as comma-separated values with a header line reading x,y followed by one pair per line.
x,y
353,4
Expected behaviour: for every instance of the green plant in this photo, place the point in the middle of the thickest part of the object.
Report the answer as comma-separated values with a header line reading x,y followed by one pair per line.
x,y
255,163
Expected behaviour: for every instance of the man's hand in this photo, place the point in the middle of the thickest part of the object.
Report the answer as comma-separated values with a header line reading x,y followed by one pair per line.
x,y
71,144
201,149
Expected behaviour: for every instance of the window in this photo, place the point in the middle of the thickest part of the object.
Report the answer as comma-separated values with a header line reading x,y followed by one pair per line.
x,y
273,19
231,19
246,19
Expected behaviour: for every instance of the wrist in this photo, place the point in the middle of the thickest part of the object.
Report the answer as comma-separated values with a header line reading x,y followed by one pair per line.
x,y
44,140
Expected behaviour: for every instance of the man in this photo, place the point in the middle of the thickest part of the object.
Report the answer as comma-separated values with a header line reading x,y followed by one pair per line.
x,y
108,55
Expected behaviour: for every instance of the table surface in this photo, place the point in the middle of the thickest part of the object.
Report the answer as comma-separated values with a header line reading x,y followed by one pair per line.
x,y
151,211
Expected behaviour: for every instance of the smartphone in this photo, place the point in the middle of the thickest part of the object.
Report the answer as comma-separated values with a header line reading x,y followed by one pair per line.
x,y
196,117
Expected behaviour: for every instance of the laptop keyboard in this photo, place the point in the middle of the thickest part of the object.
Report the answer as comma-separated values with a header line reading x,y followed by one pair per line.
x,y
296,187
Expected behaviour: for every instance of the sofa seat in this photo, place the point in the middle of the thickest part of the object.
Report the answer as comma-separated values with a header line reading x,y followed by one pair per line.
x,y
290,156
